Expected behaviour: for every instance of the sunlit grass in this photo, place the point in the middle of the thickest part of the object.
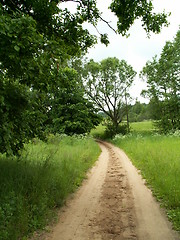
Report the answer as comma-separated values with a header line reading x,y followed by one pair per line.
x,y
142,127
98,132
32,185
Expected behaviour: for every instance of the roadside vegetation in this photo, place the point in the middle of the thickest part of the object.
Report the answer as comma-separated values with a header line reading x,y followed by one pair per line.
x,y
33,185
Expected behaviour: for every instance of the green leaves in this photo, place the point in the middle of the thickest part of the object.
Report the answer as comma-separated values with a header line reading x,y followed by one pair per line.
x,y
107,84
70,111
17,48
162,76
128,11
37,39
104,39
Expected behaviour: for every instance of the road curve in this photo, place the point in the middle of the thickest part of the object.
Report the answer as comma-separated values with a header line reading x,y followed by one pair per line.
x,y
113,203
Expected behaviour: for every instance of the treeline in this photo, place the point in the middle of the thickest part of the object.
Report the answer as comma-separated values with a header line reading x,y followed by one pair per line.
x,y
139,112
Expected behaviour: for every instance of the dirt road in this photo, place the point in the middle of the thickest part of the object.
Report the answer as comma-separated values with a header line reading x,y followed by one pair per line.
x,y
113,203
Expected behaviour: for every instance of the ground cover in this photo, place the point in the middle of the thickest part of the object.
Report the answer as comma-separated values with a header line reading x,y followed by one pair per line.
x,y
145,127
34,184
99,132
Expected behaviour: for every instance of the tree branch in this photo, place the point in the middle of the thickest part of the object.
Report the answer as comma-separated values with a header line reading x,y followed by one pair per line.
x,y
76,1
108,24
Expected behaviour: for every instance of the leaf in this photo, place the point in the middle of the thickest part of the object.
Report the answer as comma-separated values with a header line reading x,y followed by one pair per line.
x,y
17,48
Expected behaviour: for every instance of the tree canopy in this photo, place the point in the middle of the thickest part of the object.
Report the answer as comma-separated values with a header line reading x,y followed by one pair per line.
x,y
163,80
107,84
38,38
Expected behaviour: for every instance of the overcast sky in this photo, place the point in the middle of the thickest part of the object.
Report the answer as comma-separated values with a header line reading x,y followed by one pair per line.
x,y
137,49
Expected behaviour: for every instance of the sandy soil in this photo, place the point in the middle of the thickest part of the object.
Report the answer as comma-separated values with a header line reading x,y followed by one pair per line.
x,y
112,204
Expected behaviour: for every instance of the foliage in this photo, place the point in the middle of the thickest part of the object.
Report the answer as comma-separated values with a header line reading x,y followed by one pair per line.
x,y
139,112
28,76
128,11
34,184
37,39
107,85
111,130
21,115
163,79
157,157
70,111
98,132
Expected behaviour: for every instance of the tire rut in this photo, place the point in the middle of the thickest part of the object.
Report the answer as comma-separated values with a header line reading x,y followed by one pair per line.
x,y
116,217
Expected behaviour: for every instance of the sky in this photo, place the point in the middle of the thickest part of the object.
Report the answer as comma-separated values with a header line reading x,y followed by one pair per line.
x,y
138,48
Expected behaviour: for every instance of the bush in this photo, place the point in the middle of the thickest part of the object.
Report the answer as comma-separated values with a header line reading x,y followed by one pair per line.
x,y
112,130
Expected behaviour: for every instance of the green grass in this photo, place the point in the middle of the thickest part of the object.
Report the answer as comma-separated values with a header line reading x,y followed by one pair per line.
x,y
158,158
98,132
145,127
34,184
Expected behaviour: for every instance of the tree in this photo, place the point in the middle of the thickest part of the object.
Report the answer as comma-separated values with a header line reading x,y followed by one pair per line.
x,y
37,39
21,115
47,14
163,79
70,112
107,84
139,112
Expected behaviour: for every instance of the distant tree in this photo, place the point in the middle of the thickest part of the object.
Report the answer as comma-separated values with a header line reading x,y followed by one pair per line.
x,y
107,84
163,79
139,112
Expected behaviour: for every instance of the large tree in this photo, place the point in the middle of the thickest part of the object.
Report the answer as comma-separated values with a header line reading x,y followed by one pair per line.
x,y
37,39
107,84
163,82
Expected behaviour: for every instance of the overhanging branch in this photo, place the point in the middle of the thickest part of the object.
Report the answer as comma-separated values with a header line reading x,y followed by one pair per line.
x,y
108,24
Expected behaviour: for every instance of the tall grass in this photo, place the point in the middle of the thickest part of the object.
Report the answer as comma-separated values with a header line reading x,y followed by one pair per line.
x,y
145,127
158,158
32,185
99,132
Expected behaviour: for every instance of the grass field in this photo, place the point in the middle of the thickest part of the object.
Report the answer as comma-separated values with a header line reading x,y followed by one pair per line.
x,y
145,127
98,132
34,184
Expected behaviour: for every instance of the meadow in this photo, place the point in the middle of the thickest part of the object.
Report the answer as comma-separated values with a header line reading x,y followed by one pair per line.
x,y
33,185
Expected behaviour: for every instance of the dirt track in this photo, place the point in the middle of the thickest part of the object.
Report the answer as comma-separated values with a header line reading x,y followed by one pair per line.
x,y
113,203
